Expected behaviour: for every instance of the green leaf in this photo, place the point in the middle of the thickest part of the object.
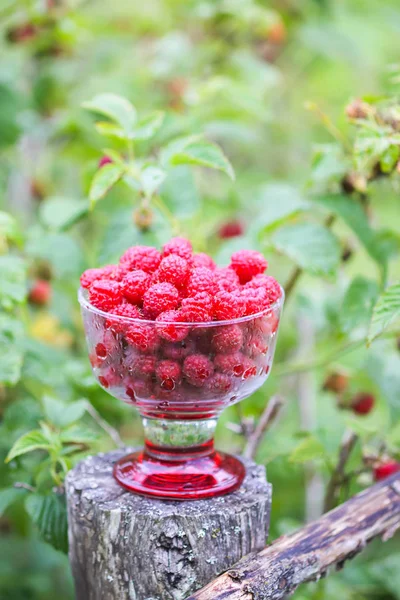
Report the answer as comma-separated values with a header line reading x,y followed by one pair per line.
x,y
8,496
76,434
62,414
13,281
357,305
49,513
195,150
152,178
60,214
110,130
60,249
309,245
277,202
104,180
180,193
386,310
33,440
11,349
308,449
148,126
116,108
389,159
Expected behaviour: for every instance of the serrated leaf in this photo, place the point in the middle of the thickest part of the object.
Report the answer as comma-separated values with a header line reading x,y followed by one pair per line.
x,y
195,150
152,178
33,440
62,414
48,512
76,434
309,449
60,214
8,496
104,180
386,310
309,245
148,126
13,281
116,108
358,302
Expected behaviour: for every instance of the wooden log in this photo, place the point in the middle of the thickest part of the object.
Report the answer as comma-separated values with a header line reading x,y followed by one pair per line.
x,y
309,553
127,547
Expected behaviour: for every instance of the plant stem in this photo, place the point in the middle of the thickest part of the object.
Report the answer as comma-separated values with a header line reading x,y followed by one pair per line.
x,y
268,417
163,208
20,485
332,492
111,431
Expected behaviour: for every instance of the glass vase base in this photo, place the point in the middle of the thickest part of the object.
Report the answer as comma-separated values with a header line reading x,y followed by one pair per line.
x,y
192,479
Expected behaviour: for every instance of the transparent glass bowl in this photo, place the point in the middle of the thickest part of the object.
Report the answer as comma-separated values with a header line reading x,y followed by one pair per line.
x,y
180,377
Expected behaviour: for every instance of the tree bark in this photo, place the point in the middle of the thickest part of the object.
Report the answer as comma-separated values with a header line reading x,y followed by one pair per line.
x,y
307,554
127,547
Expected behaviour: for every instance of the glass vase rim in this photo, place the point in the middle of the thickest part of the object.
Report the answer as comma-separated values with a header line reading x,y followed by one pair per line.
x,y
84,302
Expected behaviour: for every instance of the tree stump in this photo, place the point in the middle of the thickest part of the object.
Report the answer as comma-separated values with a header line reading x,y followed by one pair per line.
x,y
127,547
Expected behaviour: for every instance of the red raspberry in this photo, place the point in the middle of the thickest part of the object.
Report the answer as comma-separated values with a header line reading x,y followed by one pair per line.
x,y
168,373
179,246
219,383
230,229
386,469
201,280
247,263
107,346
105,294
173,269
197,309
145,258
40,292
109,378
235,364
134,285
201,259
105,160
228,305
166,328
178,351
125,309
160,298
268,323
139,389
142,366
256,300
362,403
227,339
227,280
197,369
143,337
91,275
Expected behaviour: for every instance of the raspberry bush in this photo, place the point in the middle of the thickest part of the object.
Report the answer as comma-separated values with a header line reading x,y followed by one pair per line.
x,y
120,126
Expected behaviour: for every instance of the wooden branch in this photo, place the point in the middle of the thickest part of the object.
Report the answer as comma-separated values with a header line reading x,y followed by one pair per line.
x,y
307,554
268,416
346,447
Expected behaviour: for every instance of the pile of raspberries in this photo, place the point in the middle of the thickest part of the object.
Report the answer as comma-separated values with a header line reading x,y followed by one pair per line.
x,y
176,289
177,285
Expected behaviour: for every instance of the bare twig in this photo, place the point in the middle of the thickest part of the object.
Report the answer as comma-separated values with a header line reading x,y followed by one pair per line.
x,y
334,485
20,485
309,553
111,431
268,416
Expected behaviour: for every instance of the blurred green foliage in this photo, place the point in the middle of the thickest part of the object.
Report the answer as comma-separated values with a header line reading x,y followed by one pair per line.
x,y
179,86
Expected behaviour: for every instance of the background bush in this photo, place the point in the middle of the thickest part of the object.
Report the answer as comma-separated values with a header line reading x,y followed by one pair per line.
x,y
316,190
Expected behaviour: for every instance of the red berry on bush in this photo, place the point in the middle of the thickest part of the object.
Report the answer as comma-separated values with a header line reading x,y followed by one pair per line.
x,y
386,469
362,403
105,160
40,292
230,229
